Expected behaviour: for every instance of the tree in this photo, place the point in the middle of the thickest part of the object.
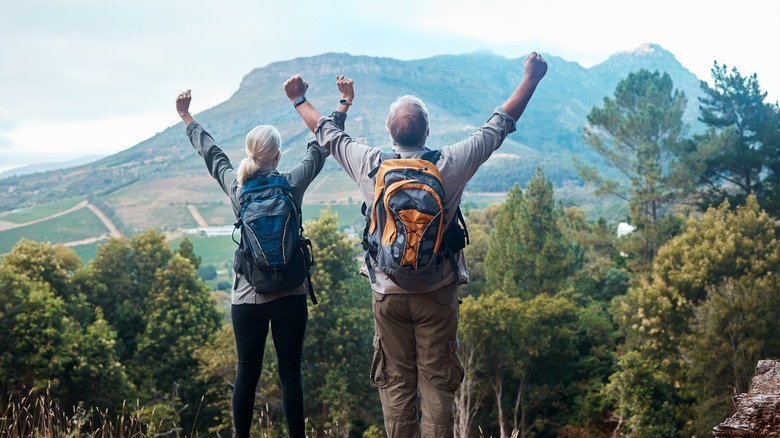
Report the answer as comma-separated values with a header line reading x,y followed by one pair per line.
x,y
502,258
217,363
637,134
480,225
46,263
740,152
181,318
726,255
31,319
529,253
187,250
536,358
731,331
337,350
124,272
43,344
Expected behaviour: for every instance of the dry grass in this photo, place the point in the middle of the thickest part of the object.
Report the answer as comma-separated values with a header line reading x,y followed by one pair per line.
x,y
39,416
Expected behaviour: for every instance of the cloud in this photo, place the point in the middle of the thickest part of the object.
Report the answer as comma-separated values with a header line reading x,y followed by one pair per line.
x,y
59,141
87,62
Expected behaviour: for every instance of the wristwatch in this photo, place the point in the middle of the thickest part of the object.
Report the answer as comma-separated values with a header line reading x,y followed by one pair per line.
x,y
299,101
345,102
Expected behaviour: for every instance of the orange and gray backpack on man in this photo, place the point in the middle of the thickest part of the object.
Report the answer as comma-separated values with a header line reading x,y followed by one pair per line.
x,y
273,254
405,235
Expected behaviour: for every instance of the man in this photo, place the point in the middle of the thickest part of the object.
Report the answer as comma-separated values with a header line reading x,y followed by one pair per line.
x,y
415,342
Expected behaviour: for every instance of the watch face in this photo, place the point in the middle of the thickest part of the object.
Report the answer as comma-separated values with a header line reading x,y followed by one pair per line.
x,y
299,101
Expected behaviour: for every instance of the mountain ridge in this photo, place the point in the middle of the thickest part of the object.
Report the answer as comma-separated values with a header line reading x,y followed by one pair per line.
x,y
459,90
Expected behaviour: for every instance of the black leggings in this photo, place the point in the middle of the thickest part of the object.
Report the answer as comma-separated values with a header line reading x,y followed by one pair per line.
x,y
288,316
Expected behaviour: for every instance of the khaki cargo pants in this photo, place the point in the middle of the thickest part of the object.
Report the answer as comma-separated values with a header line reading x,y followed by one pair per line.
x,y
416,346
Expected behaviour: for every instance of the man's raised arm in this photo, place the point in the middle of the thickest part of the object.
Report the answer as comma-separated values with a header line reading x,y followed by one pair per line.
x,y
534,70
295,88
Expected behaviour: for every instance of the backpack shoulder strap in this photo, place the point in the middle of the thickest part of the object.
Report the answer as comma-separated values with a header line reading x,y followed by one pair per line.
x,y
384,156
431,155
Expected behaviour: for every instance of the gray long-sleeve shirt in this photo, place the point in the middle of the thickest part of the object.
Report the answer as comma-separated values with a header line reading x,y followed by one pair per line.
x,y
458,163
219,166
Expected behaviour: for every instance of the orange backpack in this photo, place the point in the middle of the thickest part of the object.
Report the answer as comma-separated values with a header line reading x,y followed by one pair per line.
x,y
406,235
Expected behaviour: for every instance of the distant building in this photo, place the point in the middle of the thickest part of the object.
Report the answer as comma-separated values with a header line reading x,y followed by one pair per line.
x,y
624,228
222,230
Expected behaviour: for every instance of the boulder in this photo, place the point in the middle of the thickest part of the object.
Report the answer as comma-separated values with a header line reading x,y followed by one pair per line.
x,y
758,411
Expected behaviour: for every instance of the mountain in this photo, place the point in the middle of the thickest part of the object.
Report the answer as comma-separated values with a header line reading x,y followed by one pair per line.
x,y
155,182
44,167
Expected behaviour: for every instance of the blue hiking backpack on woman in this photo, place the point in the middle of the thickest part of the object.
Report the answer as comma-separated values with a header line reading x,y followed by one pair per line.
x,y
272,254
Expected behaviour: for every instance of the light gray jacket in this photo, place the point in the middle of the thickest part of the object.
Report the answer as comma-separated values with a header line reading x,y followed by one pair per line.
x,y
458,163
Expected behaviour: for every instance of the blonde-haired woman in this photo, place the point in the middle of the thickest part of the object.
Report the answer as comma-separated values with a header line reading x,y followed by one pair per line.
x,y
251,312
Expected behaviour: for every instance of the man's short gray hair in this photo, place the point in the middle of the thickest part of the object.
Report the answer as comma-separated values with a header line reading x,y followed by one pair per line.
x,y
407,121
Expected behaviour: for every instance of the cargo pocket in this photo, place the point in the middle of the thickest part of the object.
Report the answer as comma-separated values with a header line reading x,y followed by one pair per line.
x,y
456,373
378,373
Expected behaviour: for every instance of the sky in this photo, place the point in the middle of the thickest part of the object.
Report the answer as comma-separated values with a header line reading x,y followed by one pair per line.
x,y
94,77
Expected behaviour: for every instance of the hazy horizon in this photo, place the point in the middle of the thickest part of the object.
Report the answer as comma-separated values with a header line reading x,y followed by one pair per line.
x,y
88,78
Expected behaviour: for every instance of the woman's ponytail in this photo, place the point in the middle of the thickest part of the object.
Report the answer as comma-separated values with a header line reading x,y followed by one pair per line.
x,y
262,144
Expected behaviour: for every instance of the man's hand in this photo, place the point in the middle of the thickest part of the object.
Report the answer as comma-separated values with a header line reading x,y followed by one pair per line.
x,y
345,85
183,106
534,67
295,87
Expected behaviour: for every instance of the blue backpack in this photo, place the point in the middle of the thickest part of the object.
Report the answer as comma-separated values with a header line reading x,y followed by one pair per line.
x,y
273,254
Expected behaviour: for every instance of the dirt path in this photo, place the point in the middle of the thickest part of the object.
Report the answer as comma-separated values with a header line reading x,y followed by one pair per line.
x,y
106,221
104,236
5,225
197,216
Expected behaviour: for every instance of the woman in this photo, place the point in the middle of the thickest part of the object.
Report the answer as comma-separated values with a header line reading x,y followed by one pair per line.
x,y
252,312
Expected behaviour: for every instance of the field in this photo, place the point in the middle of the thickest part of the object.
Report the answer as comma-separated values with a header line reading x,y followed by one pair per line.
x,y
158,205
40,211
77,225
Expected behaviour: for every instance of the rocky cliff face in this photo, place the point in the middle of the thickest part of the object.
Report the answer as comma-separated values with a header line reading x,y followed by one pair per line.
x,y
758,411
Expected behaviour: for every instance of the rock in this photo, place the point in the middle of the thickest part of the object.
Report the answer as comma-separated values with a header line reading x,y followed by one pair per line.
x,y
758,411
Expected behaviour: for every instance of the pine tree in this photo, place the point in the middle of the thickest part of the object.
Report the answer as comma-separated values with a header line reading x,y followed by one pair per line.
x,y
739,155
529,253
637,133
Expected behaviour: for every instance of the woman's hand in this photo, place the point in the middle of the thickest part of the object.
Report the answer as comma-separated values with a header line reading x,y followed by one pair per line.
x,y
345,85
347,92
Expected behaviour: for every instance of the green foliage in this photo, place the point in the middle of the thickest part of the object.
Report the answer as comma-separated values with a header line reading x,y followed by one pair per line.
x,y
337,350
541,360
217,363
124,271
637,134
45,263
643,398
208,272
181,318
528,253
502,258
44,346
740,152
676,318
187,250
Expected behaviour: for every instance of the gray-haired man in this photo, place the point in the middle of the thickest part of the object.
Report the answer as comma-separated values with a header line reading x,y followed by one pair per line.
x,y
415,342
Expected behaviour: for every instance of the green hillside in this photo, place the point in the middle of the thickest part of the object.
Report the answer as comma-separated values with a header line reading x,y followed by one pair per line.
x,y
161,181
